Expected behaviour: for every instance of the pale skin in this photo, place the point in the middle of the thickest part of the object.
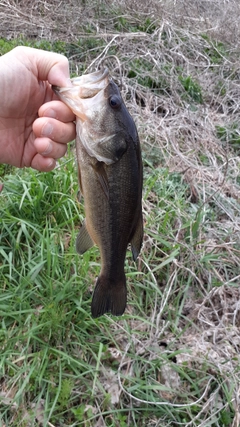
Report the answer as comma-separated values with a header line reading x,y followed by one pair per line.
x,y
35,126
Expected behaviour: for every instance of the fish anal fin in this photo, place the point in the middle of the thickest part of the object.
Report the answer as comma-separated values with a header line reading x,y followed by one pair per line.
x,y
83,241
110,296
100,171
136,241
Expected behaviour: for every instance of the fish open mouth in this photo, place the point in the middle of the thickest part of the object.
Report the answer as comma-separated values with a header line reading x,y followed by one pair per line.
x,y
85,86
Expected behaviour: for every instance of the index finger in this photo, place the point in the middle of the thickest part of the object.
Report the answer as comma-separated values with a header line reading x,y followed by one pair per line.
x,y
57,110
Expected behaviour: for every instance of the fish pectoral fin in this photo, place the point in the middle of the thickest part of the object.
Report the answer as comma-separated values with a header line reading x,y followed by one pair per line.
x,y
84,240
102,177
136,241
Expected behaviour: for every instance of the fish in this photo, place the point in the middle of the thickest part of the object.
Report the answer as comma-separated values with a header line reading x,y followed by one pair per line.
x,y
110,174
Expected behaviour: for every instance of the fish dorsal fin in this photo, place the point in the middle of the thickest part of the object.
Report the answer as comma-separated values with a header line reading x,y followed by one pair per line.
x,y
136,241
84,241
100,171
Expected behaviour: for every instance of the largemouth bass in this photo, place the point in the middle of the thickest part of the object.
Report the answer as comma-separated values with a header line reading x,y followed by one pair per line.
x,y
110,177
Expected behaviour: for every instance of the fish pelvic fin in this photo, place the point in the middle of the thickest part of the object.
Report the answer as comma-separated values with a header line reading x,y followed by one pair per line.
x,y
110,296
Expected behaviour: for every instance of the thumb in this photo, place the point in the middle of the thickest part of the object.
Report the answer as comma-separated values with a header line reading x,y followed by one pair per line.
x,y
49,66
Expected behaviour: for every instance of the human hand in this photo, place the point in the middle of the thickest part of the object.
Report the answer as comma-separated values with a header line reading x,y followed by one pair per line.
x,y
34,125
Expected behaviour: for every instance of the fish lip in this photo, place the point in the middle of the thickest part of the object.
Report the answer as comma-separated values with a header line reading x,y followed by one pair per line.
x,y
91,78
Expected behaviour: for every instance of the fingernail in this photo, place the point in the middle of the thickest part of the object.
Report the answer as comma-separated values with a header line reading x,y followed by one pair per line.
x,y
51,164
48,149
47,129
50,113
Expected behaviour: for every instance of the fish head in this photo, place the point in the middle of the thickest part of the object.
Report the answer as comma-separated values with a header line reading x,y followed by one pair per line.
x,y
104,126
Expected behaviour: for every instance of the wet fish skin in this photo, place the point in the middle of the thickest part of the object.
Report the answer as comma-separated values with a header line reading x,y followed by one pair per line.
x,y
110,176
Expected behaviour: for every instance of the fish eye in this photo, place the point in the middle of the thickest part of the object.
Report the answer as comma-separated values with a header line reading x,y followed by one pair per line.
x,y
115,101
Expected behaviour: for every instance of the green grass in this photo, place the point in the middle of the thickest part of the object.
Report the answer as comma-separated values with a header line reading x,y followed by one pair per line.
x,y
59,365
192,88
78,51
230,134
7,45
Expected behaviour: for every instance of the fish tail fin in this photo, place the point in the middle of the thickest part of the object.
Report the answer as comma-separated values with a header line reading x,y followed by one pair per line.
x,y
110,296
